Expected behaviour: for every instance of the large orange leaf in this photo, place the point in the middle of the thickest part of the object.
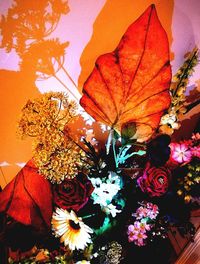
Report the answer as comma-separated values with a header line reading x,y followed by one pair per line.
x,y
131,84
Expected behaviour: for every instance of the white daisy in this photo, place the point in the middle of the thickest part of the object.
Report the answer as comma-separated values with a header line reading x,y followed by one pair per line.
x,y
71,229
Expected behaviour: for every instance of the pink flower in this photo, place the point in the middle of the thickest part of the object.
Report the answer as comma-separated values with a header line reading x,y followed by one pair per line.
x,y
137,233
131,233
141,212
139,241
196,151
152,207
144,226
152,210
180,152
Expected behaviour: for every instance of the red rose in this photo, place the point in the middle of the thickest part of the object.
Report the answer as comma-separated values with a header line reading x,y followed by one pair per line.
x,y
155,181
73,193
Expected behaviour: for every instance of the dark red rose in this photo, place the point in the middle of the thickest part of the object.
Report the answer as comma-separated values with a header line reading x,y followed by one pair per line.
x,y
155,181
73,193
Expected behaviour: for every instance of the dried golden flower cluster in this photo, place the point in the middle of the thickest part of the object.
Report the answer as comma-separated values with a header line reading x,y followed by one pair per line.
x,y
170,121
55,153
114,253
49,110
110,253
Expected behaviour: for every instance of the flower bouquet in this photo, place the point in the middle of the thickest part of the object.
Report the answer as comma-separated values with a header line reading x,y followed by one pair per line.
x,y
82,200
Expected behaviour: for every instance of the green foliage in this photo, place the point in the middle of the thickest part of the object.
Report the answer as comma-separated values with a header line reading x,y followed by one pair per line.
x,y
107,225
128,131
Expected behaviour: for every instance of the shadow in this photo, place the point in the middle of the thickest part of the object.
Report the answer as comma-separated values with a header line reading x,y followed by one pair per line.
x,y
188,126
25,29
157,252
16,88
184,31
30,21
112,22
194,94
190,122
80,129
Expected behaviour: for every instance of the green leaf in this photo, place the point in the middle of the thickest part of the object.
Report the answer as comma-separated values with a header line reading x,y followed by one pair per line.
x,y
128,130
116,135
107,224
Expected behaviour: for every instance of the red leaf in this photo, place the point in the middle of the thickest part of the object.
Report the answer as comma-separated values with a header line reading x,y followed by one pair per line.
x,y
131,83
28,198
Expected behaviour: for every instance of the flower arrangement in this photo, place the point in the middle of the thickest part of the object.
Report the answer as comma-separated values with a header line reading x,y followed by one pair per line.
x,y
80,202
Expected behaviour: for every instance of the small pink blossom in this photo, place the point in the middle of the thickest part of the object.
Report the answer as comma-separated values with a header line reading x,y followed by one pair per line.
x,y
139,239
144,226
131,233
137,233
141,212
196,151
152,210
138,227
180,152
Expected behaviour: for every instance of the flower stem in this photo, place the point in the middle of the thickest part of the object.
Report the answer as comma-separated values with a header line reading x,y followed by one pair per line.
x,y
76,98
68,75
87,216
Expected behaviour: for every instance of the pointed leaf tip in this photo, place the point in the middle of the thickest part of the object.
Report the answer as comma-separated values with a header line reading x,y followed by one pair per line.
x,y
131,84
